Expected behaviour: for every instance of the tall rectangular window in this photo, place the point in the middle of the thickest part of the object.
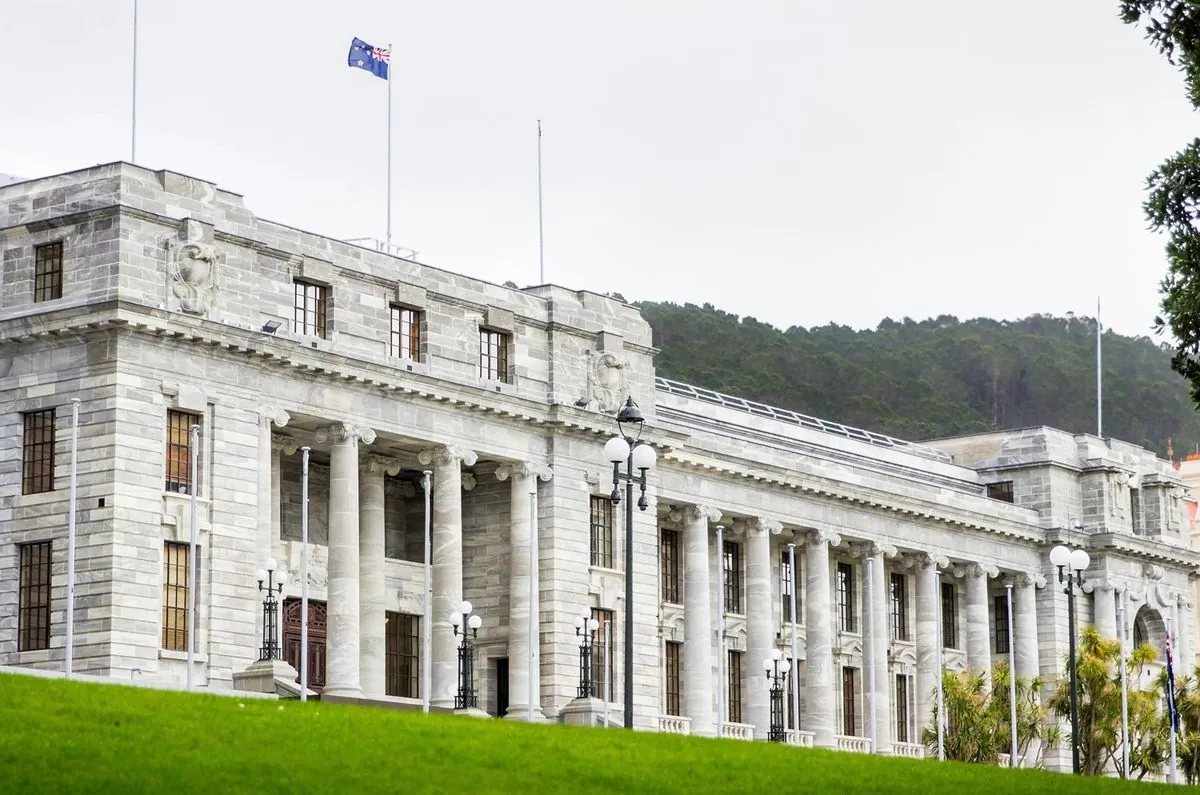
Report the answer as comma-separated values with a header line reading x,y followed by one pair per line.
x,y
902,709
602,532
732,561
849,703
405,338
949,617
788,585
669,559
899,607
180,478
1002,491
310,314
845,596
37,452
402,655
791,705
493,355
602,664
735,686
47,273
176,601
672,657
1000,608
33,598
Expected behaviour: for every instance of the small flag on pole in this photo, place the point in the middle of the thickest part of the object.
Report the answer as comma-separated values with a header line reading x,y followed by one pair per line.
x,y
374,59
1172,710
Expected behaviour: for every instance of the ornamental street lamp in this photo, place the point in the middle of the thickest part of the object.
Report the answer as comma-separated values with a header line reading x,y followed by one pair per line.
x,y
637,455
585,630
777,672
274,582
466,698
1074,562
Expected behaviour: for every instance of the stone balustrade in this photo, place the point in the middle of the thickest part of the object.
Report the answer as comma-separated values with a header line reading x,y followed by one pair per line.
x,y
858,745
674,724
798,737
738,731
911,750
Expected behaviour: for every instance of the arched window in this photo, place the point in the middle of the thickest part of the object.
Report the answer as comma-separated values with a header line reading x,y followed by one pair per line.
x,y
1139,632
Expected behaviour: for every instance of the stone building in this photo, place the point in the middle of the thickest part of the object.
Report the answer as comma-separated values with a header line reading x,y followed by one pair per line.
x,y
160,301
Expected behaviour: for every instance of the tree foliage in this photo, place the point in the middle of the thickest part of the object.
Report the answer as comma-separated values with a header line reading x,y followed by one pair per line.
x,y
1173,28
937,377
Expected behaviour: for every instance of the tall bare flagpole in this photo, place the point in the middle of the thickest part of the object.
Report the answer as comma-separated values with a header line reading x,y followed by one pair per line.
x,y
1099,380
427,601
133,117
389,150
541,239
304,574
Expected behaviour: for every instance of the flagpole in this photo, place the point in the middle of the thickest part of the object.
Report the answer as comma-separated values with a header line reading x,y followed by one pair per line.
x,y
304,574
1099,379
389,150
1012,679
941,706
1171,713
427,600
70,652
1124,691
133,117
541,240
722,690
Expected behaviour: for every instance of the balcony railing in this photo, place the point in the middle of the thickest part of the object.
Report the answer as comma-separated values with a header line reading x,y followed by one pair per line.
x,y
911,750
859,745
800,737
738,731
674,724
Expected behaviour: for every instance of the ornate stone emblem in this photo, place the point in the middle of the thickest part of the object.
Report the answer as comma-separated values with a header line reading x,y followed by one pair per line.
x,y
607,381
192,266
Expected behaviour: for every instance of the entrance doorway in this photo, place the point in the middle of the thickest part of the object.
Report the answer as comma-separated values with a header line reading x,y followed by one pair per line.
x,y
501,671
316,640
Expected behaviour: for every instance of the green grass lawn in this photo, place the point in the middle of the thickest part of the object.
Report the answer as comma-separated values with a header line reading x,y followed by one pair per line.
x,y
61,736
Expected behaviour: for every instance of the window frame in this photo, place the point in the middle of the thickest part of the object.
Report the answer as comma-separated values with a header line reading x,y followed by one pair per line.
x,y
849,701
178,457
1000,608
734,694
901,694
898,605
39,438
494,354
845,597
731,560
1001,490
603,671
318,311
786,587
949,616
402,654
175,618
405,323
673,676
48,272
670,572
35,585
600,509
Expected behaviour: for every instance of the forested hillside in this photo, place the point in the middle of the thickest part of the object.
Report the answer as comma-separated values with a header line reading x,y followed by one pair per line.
x,y
941,377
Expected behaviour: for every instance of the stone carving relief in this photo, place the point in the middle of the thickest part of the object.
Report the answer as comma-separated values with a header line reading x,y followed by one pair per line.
x,y
192,266
1175,508
607,381
1118,483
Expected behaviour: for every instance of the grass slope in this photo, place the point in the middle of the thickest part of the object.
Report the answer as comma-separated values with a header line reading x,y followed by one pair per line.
x,y
60,736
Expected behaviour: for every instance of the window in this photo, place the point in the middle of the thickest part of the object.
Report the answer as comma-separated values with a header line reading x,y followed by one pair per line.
x,y
791,705
669,558
310,309
37,453
845,597
47,275
602,536
1002,491
493,355
1139,632
787,586
405,341
849,709
735,687
732,561
179,451
402,654
1000,607
175,595
1135,511
673,679
949,622
33,600
899,607
902,709
602,668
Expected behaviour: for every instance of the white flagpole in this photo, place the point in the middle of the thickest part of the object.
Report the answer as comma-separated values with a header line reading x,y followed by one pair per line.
x,y
722,690
304,575
534,697
795,642
1012,678
427,619
607,678
869,645
194,606
1099,379
389,149
941,706
133,116
71,508
541,244
1124,691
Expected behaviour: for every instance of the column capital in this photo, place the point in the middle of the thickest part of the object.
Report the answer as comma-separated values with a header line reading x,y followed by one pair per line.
x,y
871,549
984,570
518,470
814,537
273,415
447,456
759,526
1027,579
924,560
685,513
283,443
469,481
344,432
375,462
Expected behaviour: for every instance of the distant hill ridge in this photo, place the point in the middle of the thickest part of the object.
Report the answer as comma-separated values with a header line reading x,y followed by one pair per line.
x,y
937,377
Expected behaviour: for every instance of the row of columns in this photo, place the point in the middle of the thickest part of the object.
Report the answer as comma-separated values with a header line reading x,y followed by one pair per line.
x,y
820,680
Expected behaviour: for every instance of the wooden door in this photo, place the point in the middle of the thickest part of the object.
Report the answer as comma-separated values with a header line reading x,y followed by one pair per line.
x,y
316,640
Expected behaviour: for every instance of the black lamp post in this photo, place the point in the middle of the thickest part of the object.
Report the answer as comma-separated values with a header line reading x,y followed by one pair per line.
x,y
637,455
585,630
274,582
466,698
1075,562
777,672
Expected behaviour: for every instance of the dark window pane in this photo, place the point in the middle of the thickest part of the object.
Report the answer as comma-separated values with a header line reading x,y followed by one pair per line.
x,y
33,598
37,453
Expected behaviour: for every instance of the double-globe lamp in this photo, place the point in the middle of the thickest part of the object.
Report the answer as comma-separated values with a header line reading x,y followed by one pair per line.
x,y
274,579
1071,563
466,698
777,667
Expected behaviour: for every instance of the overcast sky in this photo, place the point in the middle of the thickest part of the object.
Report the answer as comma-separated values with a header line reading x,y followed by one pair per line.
x,y
798,161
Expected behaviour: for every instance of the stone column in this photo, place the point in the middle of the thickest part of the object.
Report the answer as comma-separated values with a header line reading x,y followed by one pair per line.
x,y
698,681
268,479
819,680
979,656
882,627
371,582
928,604
523,476
1025,626
447,557
1104,607
760,621
342,674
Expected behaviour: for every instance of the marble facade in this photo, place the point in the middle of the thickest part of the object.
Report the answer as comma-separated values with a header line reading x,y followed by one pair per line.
x,y
169,286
